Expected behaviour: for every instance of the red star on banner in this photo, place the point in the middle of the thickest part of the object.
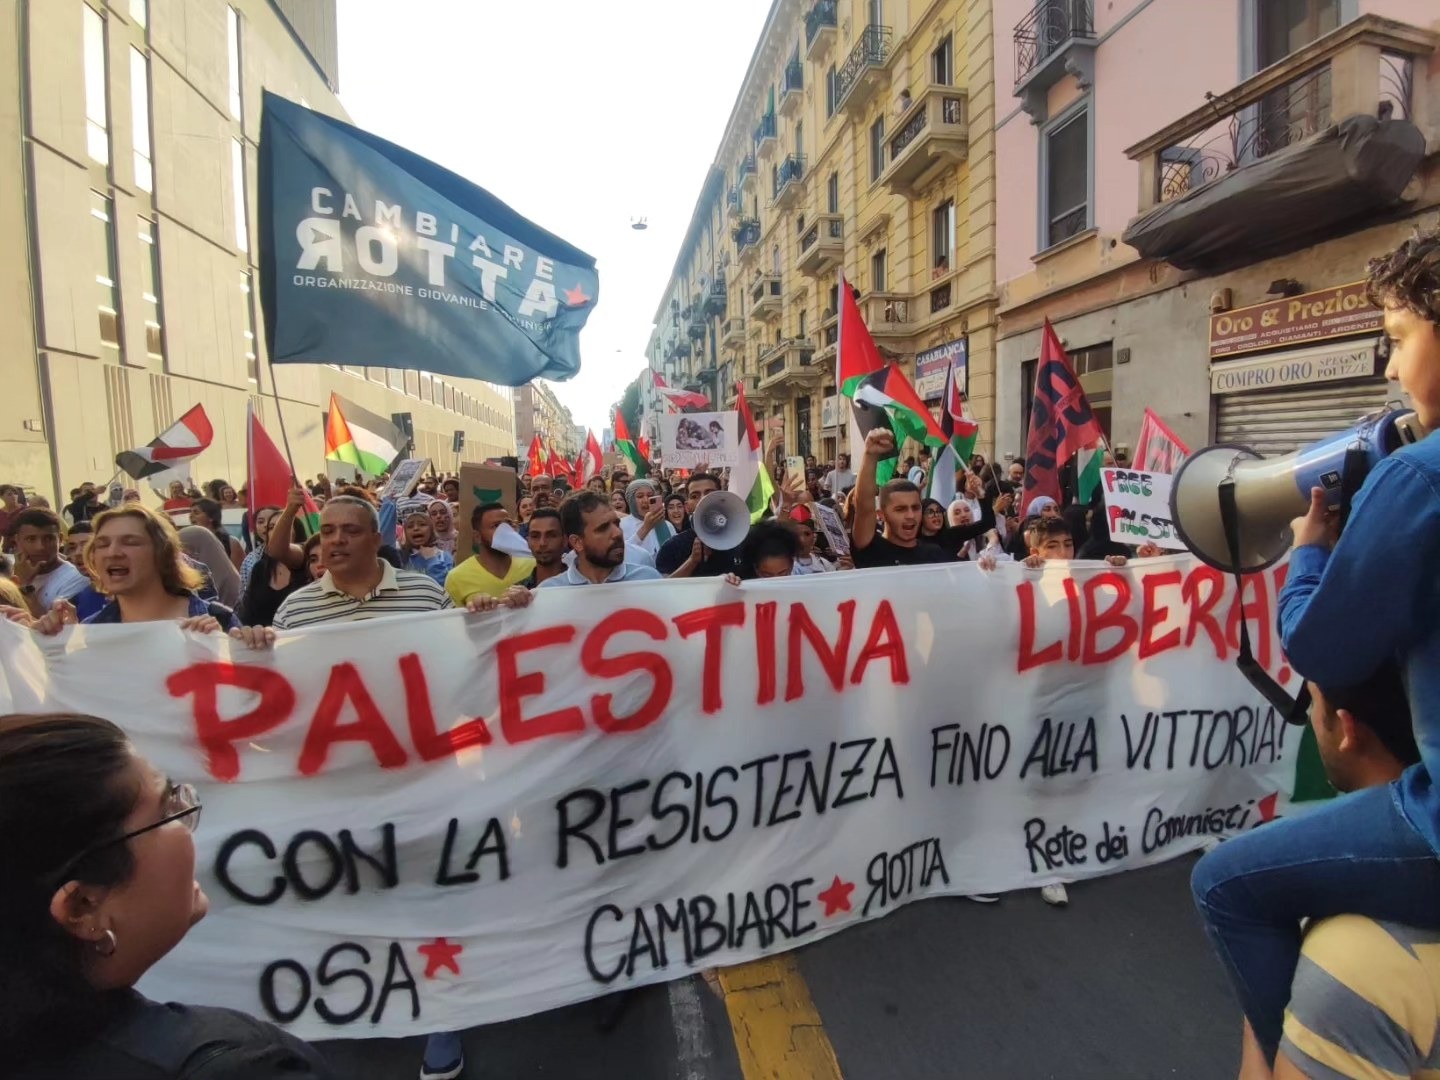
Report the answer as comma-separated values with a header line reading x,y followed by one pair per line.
x,y
836,897
576,297
1266,806
440,953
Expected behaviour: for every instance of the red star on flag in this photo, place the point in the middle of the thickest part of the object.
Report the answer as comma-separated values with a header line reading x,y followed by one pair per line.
x,y
576,297
441,953
836,897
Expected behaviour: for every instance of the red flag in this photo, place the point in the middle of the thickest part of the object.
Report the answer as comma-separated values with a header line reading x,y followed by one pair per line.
x,y
590,461
1158,449
537,456
269,476
1061,421
643,445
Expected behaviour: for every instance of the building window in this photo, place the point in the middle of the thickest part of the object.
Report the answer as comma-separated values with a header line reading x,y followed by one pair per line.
x,y
395,378
252,354
232,34
942,63
140,11
437,391
107,299
876,10
427,391
830,92
1065,168
375,375
150,291
877,149
237,187
140,119
832,194
800,324
412,382
449,397
97,69
942,236
877,271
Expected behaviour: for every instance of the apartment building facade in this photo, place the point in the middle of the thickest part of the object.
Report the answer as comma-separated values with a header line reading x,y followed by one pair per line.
x,y
128,150
1191,193
860,142
539,412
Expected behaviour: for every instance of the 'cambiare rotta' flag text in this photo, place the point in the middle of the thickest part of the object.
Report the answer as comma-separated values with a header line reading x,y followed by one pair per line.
x,y
960,431
371,254
750,479
168,456
627,446
886,399
356,436
1061,422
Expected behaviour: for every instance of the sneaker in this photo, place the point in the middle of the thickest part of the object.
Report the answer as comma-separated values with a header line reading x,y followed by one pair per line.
x,y
983,898
1055,895
444,1057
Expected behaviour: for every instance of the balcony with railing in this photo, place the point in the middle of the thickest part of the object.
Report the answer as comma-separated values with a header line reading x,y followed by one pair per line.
x,y
716,297
941,297
863,73
829,341
789,361
746,234
930,138
792,88
698,323
733,203
820,23
765,302
765,139
788,181
822,245
887,315
745,175
732,332
1322,140
1057,38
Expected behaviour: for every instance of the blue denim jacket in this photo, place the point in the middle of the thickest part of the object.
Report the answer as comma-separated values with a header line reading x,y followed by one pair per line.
x,y
1377,597
110,613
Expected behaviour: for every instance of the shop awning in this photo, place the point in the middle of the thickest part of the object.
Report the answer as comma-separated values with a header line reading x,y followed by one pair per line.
x,y
1285,201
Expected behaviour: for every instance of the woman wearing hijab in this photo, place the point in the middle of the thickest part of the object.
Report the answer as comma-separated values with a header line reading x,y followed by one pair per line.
x,y
207,514
646,527
443,519
675,512
420,553
202,545
932,520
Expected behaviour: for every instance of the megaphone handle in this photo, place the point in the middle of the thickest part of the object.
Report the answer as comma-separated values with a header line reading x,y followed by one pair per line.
x,y
1352,476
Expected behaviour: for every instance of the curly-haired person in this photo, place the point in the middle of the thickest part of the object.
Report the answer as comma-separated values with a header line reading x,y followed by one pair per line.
x,y
1351,603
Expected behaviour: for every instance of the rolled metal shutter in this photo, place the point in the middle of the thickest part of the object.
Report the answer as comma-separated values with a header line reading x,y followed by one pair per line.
x,y
1274,422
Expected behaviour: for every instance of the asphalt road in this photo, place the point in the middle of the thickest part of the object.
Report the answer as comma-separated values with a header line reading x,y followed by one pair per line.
x,y
1120,985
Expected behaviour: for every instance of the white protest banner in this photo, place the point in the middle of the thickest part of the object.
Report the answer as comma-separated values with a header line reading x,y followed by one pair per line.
x,y
1137,507
691,439
429,822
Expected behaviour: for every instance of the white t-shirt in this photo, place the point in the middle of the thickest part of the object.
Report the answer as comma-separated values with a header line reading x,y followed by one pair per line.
x,y
837,480
813,565
59,584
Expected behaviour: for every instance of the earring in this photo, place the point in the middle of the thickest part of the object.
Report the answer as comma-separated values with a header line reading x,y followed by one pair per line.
x,y
106,945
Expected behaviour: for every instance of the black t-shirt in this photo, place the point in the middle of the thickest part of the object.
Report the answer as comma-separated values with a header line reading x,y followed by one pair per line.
x,y
675,551
881,552
145,1040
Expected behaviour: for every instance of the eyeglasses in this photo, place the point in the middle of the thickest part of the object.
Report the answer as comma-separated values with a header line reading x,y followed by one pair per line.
x,y
182,803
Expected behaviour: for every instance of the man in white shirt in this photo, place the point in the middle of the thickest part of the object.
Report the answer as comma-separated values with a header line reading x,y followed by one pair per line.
x,y
840,479
43,576
592,529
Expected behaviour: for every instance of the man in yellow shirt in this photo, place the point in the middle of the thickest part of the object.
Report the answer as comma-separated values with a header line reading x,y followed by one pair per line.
x,y
490,571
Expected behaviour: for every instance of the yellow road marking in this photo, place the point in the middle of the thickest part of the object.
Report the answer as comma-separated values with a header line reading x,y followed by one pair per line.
x,y
778,1033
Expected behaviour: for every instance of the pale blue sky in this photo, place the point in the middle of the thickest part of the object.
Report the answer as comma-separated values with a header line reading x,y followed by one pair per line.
x,y
581,114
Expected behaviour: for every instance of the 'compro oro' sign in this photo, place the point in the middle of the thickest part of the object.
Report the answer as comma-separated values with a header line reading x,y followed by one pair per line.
x,y
1296,368
1293,320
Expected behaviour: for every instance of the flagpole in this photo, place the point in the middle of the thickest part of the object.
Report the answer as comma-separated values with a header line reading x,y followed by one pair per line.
x,y
280,412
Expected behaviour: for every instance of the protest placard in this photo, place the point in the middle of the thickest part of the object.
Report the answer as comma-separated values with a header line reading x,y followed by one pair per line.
x,y
424,823
1137,508
406,478
832,527
481,484
690,439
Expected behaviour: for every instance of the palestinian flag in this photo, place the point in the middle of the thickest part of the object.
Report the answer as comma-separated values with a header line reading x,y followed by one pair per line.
x,y
627,446
960,431
885,399
171,451
750,479
356,436
590,461
1088,461
269,476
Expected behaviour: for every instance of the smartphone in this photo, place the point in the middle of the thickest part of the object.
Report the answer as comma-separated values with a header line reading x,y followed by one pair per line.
x,y
795,472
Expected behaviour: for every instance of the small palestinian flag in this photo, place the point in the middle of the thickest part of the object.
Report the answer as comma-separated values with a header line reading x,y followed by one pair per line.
x,y
639,466
886,399
357,437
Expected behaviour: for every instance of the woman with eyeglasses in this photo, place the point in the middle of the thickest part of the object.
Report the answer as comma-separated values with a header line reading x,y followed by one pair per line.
x,y
98,884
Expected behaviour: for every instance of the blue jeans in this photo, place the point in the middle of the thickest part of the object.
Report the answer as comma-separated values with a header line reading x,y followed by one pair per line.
x,y
1357,854
442,1048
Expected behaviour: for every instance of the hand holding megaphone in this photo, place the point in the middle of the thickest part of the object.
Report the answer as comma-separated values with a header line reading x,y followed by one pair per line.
x,y
721,520
1321,526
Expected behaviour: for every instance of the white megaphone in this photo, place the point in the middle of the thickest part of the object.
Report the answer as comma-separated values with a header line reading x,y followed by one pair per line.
x,y
1268,494
721,520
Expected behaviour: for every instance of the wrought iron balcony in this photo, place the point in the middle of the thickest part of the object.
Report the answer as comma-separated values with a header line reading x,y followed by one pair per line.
x,y
765,302
1342,106
732,333
941,297
747,233
765,135
732,203
789,361
745,175
787,181
715,299
819,27
1057,38
887,315
932,137
682,349
698,324
829,340
862,73
792,88
822,245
